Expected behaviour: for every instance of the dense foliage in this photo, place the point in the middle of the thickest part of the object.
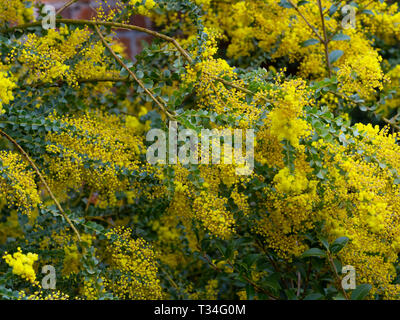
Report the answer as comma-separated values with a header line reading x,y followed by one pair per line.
x,y
78,194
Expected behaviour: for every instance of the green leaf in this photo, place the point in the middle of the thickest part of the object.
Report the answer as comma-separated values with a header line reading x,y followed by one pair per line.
x,y
314,252
324,242
314,296
340,37
332,9
140,74
285,4
368,12
148,83
309,42
250,292
361,291
302,3
335,55
339,244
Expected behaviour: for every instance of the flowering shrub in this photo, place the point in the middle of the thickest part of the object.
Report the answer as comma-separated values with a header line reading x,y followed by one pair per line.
x,y
78,194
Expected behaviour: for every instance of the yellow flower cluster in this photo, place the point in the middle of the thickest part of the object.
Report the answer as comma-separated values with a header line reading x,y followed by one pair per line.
x,y
361,70
40,295
213,94
6,87
15,11
281,32
393,83
143,9
98,138
17,184
205,204
49,58
385,20
22,264
362,201
285,120
135,124
210,209
290,210
135,261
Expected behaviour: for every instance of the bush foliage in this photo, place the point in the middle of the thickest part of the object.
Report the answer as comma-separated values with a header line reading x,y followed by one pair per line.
x,y
318,82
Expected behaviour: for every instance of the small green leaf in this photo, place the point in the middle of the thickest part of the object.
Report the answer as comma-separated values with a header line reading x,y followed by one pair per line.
x,y
302,3
340,37
339,244
332,9
148,83
140,74
368,12
285,4
335,55
361,291
309,42
314,252
324,242
314,296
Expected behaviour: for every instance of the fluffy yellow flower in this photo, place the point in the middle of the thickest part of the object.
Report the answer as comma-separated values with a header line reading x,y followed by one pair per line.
x,y
22,264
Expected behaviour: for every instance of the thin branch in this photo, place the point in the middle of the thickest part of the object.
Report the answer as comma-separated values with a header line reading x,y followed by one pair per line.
x,y
61,81
326,40
298,283
100,219
338,279
392,123
123,26
22,151
306,21
115,25
66,6
140,83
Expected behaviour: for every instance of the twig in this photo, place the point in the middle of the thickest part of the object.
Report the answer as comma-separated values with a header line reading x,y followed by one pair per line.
x,y
391,122
326,40
140,83
306,21
338,279
65,6
298,283
22,151
116,25
61,81
99,219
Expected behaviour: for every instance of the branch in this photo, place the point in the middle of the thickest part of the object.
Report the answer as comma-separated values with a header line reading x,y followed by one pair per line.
x,y
338,279
326,41
391,122
61,81
66,6
298,283
140,83
306,21
22,151
123,26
